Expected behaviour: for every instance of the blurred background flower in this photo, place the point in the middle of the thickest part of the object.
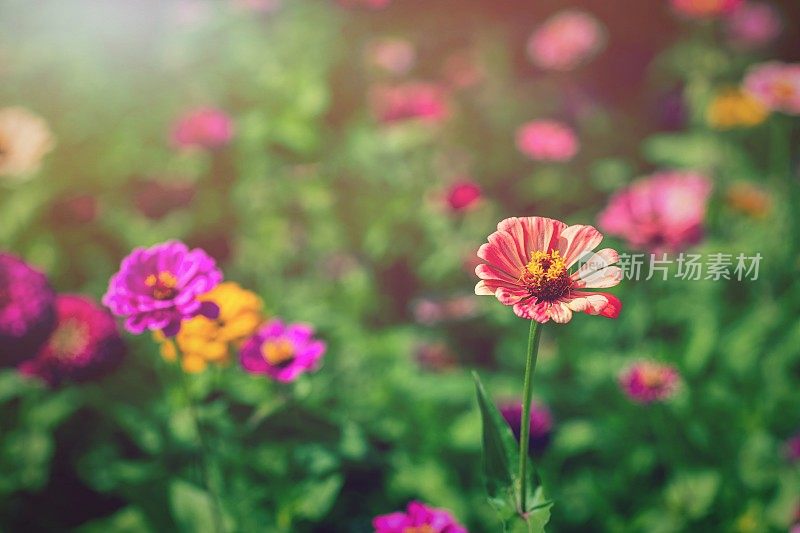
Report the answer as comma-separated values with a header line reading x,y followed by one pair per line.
x,y
84,346
649,381
282,351
418,518
27,310
24,141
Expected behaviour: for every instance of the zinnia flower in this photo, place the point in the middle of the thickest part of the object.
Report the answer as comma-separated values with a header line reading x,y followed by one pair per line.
x,y
732,108
24,141
791,448
203,340
395,56
426,102
705,8
157,288
663,211
282,351
418,518
84,346
367,4
541,424
463,195
566,40
649,381
776,85
753,25
547,140
27,310
205,127
527,262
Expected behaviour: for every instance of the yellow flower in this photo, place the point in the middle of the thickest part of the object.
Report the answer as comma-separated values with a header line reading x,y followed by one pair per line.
x,y
202,341
24,141
734,108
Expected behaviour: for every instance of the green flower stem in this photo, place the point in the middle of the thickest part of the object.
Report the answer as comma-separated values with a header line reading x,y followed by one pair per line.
x,y
525,423
205,466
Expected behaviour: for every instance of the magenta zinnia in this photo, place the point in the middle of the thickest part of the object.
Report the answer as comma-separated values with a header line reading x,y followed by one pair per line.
x,y
158,287
418,518
84,346
27,312
527,267
649,381
282,351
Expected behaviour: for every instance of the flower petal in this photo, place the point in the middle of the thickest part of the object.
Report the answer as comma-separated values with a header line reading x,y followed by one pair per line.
x,y
576,240
595,303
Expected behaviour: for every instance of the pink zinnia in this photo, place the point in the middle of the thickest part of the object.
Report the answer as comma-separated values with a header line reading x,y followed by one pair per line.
x,y
27,310
282,351
753,25
157,288
368,4
547,140
418,518
426,102
527,262
84,346
395,56
776,85
648,381
663,211
566,40
705,8
205,127
463,195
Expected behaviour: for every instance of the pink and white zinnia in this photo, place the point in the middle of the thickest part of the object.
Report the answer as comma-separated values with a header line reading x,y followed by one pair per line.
x,y
527,267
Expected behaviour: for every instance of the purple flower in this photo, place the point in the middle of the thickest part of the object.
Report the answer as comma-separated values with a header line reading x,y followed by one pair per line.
x,y
27,313
282,351
84,346
418,518
157,287
792,448
649,381
541,424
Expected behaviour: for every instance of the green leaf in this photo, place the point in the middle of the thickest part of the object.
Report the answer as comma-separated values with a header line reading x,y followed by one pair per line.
x,y
500,455
500,460
192,507
128,520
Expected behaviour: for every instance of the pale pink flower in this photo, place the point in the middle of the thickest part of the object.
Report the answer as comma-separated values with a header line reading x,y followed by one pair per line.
x,y
262,6
649,381
395,56
776,85
527,267
547,140
566,40
422,101
753,25
662,211
204,127
368,4
25,139
705,8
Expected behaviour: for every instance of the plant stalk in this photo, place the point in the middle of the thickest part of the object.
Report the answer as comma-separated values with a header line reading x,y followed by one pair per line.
x,y
525,423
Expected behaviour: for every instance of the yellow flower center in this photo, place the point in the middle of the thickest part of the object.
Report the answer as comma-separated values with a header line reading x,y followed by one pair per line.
x,y
277,352
69,339
546,276
783,90
163,285
652,377
419,529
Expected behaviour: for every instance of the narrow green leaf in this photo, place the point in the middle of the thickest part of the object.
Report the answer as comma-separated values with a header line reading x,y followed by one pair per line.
x,y
500,454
